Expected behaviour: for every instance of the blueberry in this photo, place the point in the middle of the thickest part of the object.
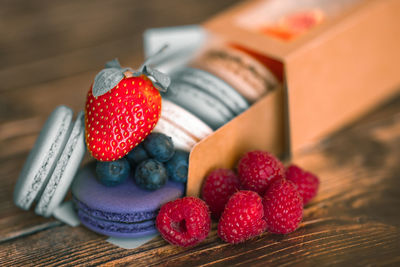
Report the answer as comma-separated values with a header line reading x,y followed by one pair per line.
x,y
159,146
150,174
112,173
137,155
177,166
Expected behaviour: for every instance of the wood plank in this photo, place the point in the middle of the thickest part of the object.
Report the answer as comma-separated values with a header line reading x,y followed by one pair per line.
x,y
353,220
321,241
47,40
69,64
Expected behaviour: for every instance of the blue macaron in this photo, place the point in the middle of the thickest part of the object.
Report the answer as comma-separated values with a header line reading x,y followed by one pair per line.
x,y
52,163
208,108
214,86
124,210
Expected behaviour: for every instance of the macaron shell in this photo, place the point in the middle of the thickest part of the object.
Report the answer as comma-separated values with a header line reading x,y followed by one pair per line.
x,y
185,120
248,76
184,128
209,109
181,139
43,157
214,86
126,200
65,170
115,229
115,217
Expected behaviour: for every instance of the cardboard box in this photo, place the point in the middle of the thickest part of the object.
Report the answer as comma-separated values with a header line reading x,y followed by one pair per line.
x,y
259,127
332,74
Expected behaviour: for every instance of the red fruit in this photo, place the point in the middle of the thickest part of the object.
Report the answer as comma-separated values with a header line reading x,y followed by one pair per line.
x,y
242,218
258,169
283,207
218,187
294,24
120,119
306,183
300,22
184,222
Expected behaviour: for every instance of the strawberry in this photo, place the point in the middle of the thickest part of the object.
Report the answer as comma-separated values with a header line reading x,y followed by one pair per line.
x,y
122,108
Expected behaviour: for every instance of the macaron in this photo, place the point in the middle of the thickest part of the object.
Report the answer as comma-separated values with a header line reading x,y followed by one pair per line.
x,y
183,127
124,210
181,139
52,163
200,103
214,86
239,69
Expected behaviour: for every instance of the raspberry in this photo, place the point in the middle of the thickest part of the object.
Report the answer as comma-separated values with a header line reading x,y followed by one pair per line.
x,y
242,218
218,187
306,183
184,222
258,169
283,207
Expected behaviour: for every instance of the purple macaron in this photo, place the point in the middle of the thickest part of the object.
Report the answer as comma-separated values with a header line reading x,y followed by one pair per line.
x,y
121,211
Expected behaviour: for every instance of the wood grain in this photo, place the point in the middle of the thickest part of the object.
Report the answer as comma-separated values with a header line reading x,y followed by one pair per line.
x,y
44,40
50,53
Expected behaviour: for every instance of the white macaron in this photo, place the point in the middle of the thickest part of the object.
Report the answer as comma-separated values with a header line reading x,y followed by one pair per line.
x,y
184,128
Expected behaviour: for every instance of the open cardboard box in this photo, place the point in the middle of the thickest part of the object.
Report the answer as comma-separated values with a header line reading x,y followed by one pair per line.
x,y
332,74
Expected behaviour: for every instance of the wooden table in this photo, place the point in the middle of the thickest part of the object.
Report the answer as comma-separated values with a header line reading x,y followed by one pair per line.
x,y
50,52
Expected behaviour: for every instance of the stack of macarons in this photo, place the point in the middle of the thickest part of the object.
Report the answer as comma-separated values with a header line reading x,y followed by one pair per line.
x,y
239,69
52,163
220,83
206,96
125,210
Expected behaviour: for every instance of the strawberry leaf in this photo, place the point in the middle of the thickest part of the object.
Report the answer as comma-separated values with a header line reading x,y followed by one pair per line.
x,y
106,80
160,80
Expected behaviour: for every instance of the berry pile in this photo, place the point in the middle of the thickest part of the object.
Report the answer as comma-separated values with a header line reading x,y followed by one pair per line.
x,y
152,163
275,203
263,196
